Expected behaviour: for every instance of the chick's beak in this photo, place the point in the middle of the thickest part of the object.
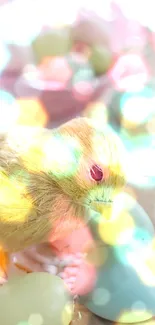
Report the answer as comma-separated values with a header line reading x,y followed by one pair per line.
x,y
103,209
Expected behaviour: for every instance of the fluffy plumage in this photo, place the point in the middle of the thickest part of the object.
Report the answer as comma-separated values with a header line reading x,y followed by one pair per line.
x,y
45,177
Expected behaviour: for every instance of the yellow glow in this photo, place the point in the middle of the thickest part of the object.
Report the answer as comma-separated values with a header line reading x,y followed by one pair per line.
x,y
105,211
146,275
67,314
150,261
15,204
118,229
128,125
149,275
29,142
134,316
32,112
33,158
144,264
60,155
46,152
97,111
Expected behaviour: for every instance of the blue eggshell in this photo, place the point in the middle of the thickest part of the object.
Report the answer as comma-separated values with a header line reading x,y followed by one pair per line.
x,y
119,287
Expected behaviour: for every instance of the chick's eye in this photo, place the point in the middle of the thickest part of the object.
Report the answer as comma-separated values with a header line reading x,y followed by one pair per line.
x,y
96,173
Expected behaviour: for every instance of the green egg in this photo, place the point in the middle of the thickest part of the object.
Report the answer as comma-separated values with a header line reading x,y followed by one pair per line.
x,y
35,299
54,43
100,59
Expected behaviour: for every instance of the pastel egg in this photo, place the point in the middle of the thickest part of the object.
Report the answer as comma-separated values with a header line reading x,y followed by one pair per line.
x,y
100,59
125,287
56,42
37,299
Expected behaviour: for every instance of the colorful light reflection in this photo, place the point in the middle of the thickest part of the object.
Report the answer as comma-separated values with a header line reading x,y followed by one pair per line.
x,y
24,111
9,110
137,107
129,73
137,132
32,112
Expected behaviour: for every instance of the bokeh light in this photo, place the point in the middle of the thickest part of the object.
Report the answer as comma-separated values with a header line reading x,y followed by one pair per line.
x,y
142,175
119,228
97,111
55,69
129,73
53,75
23,111
101,296
135,316
15,203
137,107
44,151
136,249
135,112
32,112
141,256
36,319
123,227
58,147
9,110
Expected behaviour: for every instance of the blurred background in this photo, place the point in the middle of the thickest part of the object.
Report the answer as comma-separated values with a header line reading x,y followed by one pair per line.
x,y
95,58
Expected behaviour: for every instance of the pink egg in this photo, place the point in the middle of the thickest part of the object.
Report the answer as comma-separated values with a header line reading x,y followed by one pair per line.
x,y
56,69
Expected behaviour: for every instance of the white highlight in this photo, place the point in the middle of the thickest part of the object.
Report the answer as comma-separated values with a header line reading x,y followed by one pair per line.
x,y
101,296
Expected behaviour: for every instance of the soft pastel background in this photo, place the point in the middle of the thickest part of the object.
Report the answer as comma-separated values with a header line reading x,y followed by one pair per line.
x,y
98,60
